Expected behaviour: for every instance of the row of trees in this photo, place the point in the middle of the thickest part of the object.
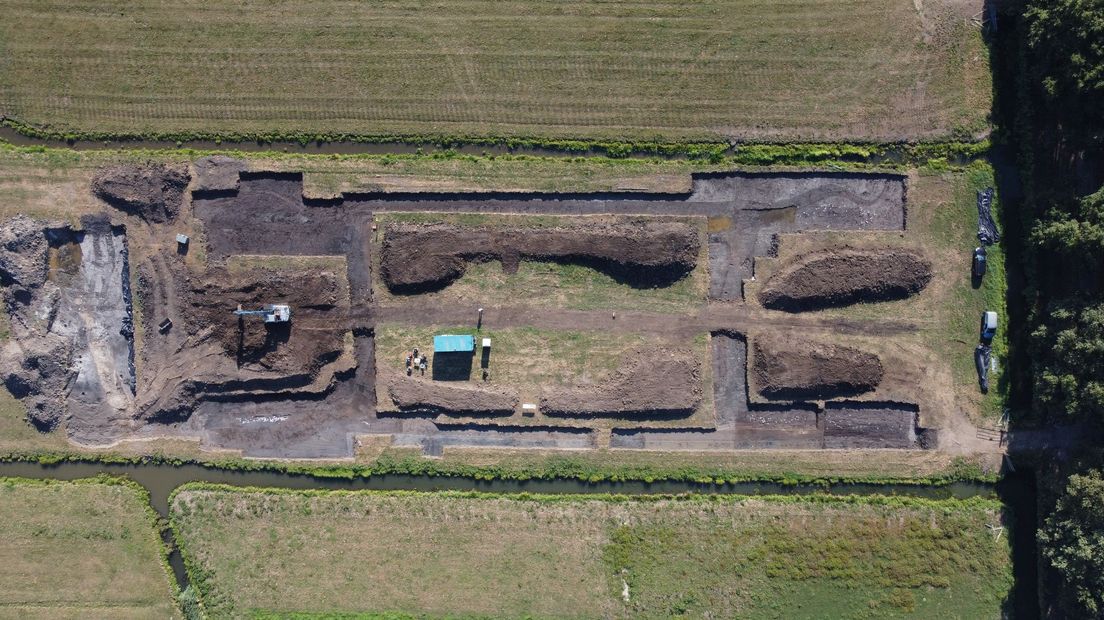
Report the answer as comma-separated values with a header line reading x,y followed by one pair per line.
x,y
1060,134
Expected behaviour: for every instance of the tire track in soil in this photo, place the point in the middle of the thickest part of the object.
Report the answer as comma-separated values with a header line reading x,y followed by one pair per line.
x,y
712,317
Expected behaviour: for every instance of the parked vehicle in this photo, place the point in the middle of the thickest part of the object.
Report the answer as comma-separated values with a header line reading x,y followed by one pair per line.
x,y
988,326
980,263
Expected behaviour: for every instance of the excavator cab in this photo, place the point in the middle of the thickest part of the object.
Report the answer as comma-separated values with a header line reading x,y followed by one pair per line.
x,y
277,313
271,313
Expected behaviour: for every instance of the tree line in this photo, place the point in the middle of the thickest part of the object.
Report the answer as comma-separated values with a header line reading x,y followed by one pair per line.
x,y
1059,137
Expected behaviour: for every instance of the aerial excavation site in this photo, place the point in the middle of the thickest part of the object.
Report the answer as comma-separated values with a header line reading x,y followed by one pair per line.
x,y
275,324
518,309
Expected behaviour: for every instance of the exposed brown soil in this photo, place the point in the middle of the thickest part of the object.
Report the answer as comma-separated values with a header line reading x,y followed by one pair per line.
x,y
23,249
652,382
151,191
810,370
211,354
423,257
218,173
834,278
279,347
450,397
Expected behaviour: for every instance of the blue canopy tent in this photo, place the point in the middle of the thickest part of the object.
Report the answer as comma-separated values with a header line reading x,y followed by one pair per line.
x,y
447,343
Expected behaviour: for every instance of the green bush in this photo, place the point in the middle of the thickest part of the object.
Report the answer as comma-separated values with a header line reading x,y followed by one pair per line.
x,y
1072,542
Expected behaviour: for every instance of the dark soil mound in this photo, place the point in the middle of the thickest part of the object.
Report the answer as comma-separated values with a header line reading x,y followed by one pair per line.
x,y
842,277
419,258
281,347
806,370
151,191
424,395
653,383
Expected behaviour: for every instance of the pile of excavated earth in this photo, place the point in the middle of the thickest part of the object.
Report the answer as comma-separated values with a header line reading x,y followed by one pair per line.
x,y
153,192
841,277
417,258
308,387
458,398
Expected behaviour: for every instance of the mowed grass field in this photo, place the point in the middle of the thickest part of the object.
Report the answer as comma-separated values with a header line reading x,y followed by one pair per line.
x,y
633,69
567,557
82,549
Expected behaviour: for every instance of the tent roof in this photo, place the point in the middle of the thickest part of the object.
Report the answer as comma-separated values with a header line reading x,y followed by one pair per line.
x,y
447,343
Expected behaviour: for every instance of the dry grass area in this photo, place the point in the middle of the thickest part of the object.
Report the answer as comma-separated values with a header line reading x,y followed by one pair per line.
x,y
565,556
520,356
17,434
329,176
549,284
801,69
528,359
80,550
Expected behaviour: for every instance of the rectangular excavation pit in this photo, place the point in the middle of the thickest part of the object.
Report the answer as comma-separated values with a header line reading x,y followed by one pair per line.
x,y
95,311
854,424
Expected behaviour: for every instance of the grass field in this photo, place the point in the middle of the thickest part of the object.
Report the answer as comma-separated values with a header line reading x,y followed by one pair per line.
x,y
79,550
523,355
551,284
799,69
564,557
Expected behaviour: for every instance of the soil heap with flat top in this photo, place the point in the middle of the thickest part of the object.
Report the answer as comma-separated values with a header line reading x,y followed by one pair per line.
x,y
790,370
424,257
152,191
656,382
450,397
840,277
